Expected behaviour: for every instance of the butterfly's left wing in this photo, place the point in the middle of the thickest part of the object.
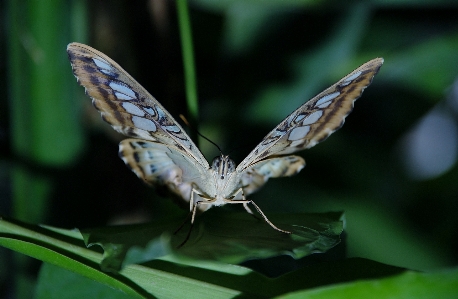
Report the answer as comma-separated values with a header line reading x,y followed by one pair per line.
x,y
315,120
157,164
125,104
164,154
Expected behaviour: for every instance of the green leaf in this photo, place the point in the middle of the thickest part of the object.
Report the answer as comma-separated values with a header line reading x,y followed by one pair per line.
x,y
56,282
443,284
237,237
66,252
226,281
161,278
219,235
69,253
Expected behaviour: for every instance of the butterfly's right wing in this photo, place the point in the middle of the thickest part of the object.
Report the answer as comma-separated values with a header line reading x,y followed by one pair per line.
x,y
258,174
311,123
316,119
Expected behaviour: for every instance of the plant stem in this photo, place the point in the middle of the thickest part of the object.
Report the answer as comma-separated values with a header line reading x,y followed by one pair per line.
x,y
188,63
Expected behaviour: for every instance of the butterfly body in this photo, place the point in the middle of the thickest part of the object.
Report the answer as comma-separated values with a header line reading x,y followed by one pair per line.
x,y
160,152
225,179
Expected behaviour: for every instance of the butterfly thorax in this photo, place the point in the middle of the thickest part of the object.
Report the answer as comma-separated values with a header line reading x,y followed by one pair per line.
x,y
223,172
223,166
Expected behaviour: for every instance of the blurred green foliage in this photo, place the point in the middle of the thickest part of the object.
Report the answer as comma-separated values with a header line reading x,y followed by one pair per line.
x,y
256,62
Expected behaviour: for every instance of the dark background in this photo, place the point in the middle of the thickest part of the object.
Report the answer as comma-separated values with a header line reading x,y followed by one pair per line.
x,y
391,168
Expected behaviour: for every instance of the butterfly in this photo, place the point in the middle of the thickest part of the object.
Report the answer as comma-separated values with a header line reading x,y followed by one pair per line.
x,y
160,152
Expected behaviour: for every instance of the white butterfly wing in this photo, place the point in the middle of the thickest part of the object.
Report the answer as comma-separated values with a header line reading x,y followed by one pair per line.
x,y
315,120
127,106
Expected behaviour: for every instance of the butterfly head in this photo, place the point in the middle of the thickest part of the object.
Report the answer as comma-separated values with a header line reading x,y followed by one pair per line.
x,y
223,166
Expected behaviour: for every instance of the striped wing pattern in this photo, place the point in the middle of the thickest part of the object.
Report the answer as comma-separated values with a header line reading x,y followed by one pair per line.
x,y
125,104
318,118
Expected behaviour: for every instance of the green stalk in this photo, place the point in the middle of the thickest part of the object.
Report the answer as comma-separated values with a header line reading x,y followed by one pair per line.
x,y
188,62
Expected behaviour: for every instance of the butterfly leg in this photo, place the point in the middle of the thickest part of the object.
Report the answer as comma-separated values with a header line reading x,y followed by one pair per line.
x,y
267,220
247,208
193,207
245,203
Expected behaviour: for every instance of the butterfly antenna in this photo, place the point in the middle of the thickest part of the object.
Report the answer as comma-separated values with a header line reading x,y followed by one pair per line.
x,y
183,118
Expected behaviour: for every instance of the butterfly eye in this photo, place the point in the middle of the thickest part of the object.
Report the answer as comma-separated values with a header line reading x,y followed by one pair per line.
x,y
230,165
216,162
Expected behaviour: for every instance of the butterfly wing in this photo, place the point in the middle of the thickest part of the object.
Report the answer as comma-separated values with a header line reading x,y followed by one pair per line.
x,y
157,164
165,154
258,174
315,120
126,105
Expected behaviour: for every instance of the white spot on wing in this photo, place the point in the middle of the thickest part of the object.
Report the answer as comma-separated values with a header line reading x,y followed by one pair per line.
x,y
313,118
150,111
299,133
144,124
132,109
172,129
160,113
326,99
102,64
121,88
111,74
324,105
300,117
354,76
122,97
351,78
